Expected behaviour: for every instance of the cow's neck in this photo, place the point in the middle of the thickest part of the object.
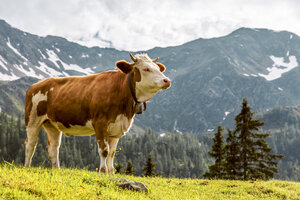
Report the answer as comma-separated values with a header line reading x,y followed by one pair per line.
x,y
142,94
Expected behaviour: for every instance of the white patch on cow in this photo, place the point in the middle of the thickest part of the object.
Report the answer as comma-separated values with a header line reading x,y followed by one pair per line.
x,y
102,158
35,120
39,97
51,89
151,82
120,126
77,130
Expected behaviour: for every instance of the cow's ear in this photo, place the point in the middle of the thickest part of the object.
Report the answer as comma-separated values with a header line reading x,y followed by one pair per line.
x,y
162,68
124,66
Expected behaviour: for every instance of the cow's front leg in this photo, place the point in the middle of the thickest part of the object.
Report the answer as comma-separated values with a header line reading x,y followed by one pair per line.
x,y
112,142
103,153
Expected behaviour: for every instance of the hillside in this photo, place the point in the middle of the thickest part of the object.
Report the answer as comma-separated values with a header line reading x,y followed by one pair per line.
x,y
13,94
42,183
210,77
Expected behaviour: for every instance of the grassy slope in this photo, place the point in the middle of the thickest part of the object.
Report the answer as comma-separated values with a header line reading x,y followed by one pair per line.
x,y
40,183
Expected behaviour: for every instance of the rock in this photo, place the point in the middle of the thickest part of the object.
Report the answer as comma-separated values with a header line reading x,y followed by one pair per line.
x,y
119,180
130,185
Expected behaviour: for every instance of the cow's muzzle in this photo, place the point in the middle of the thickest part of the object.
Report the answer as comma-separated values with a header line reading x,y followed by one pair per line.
x,y
167,83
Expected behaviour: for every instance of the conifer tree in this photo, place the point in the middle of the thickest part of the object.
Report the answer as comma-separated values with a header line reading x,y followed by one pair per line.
x,y
216,171
232,151
129,168
255,159
118,168
149,167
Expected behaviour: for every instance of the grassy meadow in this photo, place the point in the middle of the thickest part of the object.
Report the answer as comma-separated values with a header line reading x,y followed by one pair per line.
x,y
17,182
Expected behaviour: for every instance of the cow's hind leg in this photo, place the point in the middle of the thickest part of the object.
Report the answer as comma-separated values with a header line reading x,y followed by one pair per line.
x,y
112,142
54,138
30,143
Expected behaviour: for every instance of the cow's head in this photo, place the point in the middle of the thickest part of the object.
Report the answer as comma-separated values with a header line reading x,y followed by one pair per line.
x,y
150,75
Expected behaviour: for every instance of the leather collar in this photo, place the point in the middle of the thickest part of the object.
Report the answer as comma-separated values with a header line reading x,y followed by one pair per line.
x,y
138,105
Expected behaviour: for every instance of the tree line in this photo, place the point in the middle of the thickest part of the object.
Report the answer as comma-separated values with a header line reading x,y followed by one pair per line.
x,y
175,155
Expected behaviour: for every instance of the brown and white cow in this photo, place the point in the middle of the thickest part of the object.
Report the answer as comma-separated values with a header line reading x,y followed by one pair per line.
x,y
103,104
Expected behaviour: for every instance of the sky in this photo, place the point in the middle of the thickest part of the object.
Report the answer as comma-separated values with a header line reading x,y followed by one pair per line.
x,y
137,25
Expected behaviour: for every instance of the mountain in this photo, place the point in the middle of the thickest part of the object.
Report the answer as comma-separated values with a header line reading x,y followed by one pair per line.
x,y
24,54
13,94
210,77
283,124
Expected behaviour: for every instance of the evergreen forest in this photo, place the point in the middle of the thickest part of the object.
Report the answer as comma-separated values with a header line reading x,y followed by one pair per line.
x,y
174,154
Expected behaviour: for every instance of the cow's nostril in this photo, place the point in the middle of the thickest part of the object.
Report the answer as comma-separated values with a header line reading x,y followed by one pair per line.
x,y
166,80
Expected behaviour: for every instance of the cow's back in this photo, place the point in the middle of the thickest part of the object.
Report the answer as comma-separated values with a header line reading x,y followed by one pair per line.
x,y
75,100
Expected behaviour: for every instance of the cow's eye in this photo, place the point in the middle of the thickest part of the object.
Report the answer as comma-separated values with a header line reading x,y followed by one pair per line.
x,y
147,70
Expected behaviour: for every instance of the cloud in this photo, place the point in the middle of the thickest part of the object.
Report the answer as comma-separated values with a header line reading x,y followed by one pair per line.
x,y
140,25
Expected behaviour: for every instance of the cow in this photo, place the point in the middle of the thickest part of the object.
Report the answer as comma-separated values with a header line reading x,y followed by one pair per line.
x,y
103,104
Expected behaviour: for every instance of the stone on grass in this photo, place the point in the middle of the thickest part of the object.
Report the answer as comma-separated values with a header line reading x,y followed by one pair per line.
x,y
130,185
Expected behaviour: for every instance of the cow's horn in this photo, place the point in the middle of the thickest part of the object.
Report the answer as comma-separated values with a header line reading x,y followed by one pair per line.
x,y
132,58
156,59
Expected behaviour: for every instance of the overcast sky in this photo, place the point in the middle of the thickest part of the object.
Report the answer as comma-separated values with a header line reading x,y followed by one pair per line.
x,y
143,24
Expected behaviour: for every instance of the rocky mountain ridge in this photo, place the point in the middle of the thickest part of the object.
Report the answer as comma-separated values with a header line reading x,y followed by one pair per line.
x,y
210,77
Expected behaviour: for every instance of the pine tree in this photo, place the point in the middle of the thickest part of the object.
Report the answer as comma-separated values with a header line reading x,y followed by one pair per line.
x,y
118,168
216,171
129,168
255,159
150,166
232,151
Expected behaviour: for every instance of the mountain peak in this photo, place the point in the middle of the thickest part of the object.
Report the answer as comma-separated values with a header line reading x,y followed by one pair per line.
x,y
4,24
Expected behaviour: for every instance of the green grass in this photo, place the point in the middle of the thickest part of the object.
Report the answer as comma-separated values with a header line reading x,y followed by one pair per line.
x,y
42,183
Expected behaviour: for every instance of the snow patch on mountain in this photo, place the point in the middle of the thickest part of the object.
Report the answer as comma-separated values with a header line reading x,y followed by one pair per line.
x,y
48,70
44,57
85,56
279,67
8,77
162,134
77,68
15,50
29,72
225,115
53,57
3,63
